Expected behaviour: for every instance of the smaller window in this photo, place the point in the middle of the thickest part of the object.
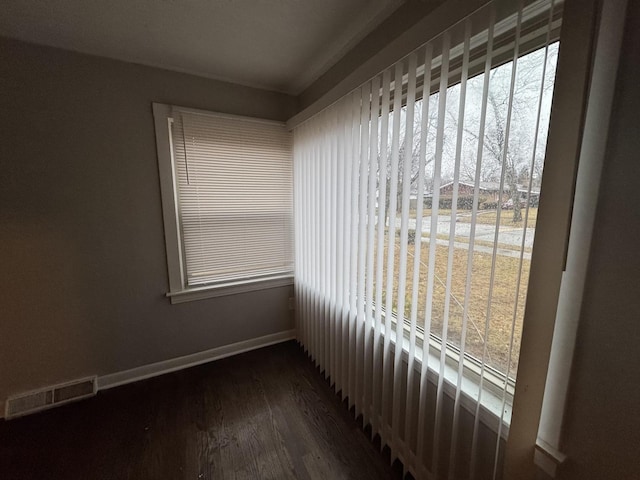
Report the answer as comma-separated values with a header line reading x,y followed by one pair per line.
x,y
227,198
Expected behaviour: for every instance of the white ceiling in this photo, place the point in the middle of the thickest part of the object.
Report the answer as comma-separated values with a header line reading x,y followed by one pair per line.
x,y
281,45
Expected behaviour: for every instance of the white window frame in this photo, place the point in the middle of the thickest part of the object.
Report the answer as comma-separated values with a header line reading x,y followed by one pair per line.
x,y
599,105
179,291
493,412
587,77
496,386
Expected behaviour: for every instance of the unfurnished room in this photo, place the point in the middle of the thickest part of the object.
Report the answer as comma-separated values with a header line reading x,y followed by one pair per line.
x,y
320,239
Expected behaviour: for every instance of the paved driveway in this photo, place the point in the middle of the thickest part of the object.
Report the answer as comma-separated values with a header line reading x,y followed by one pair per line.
x,y
510,236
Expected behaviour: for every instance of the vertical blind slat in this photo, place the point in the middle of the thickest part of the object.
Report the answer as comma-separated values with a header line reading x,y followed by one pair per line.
x,y
422,386
505,153
371,229
333,217
353,307
388,374
479,156
382,200
365,106
454,204
442,106
406,163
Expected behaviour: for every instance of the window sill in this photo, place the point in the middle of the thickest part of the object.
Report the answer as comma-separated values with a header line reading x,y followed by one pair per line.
x,y
493,413
230,288
491,405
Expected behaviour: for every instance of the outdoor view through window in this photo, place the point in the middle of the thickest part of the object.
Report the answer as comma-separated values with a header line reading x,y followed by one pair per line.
x,y
482,255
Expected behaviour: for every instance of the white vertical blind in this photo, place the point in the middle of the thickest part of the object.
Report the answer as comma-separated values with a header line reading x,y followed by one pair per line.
x,y
369,373
380,353
422,404
456,178
234,193
411,262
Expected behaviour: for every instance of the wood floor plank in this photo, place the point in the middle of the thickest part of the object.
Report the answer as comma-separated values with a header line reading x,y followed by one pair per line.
x,y
265,414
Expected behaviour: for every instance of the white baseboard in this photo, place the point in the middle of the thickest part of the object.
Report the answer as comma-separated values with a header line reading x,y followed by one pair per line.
x,y
167,366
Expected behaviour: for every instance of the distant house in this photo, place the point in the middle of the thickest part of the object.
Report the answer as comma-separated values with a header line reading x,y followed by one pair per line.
x,y
488,192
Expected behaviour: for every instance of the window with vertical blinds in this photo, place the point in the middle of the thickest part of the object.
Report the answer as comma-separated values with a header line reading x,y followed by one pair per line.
x,y
417,198
233,195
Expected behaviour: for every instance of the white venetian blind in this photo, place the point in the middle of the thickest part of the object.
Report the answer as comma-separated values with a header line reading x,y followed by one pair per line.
x,y
234,194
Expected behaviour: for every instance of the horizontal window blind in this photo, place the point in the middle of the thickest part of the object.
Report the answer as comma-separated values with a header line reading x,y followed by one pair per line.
x,y
234,193
415,217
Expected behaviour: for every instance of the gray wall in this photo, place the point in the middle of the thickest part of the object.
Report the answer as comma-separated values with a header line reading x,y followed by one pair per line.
x,y
602,430
407,15
83,269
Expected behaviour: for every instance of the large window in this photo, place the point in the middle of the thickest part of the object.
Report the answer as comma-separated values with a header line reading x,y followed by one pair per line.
x,y
227,199
487,204
416,200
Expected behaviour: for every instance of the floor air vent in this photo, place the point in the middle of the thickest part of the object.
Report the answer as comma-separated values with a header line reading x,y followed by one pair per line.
x,y
49,397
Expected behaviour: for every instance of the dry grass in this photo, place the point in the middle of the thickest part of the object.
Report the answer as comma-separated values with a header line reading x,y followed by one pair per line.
x,y
503,246
484,243
427,212
497,315
489,217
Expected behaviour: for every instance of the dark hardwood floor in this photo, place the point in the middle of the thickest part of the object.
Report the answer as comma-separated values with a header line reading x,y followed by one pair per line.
x,y
265,414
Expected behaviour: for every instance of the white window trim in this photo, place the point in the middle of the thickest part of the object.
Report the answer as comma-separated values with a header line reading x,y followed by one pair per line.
x,y
229,288
592,153
179,292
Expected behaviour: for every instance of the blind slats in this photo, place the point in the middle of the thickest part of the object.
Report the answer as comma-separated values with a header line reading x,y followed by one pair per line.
x,y
235,197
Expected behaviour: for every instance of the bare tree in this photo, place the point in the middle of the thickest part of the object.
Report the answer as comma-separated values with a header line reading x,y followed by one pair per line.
x,y
512,157
418,125
504,158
